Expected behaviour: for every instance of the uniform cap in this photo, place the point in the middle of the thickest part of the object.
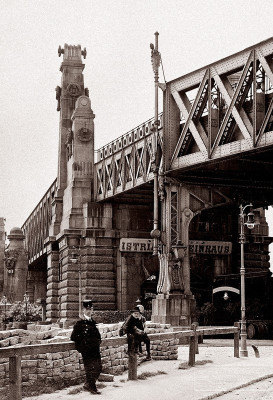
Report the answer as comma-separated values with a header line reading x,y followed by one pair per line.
x,y
140,307
136,309
87,303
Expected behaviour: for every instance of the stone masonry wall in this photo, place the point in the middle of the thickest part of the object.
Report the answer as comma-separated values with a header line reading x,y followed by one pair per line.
x,y
48,372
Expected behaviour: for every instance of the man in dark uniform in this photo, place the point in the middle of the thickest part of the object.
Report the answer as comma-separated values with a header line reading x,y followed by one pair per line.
x,y
87,339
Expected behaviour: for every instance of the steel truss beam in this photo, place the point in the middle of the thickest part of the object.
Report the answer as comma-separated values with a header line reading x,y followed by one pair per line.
x,y
229,88
36,227
127,168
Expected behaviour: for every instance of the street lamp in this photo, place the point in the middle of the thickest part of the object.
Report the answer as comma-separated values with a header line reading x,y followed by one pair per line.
x,y
250,223
76,259
156,59
26,300
4,301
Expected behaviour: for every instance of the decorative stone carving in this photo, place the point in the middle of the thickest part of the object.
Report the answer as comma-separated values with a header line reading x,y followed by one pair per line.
x,y
60,51
10,260
68,143
84,134
74,89
176,276
58,97
163,286
84,53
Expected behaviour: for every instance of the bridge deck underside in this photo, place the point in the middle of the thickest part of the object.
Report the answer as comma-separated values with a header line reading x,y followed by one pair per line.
x,y
244,176
140,195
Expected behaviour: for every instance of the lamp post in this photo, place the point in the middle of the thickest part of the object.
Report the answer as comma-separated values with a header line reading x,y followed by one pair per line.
x,y
250,223
4,301
156,59
26,300
76,259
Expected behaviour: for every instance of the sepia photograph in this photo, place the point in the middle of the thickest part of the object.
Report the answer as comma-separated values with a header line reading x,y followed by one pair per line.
x,y
136,202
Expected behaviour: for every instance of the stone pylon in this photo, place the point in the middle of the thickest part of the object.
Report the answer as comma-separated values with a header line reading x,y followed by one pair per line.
x,y
16,267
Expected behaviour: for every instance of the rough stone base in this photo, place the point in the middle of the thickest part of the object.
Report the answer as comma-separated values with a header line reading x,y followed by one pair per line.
x,y
175,309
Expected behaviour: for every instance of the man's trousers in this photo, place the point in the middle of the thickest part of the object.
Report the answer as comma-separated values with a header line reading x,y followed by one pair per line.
x,y
93,368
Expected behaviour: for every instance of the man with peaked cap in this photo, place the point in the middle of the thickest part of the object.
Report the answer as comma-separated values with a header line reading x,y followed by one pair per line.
x,y
133,327
144,338
87,340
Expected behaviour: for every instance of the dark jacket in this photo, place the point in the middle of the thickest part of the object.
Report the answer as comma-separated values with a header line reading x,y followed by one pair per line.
x,y
133,326
87,338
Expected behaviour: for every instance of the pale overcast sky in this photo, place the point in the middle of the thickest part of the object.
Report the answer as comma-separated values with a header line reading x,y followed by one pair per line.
x,y
118,72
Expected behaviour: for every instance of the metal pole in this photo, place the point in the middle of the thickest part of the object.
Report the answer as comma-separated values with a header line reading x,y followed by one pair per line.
x,y
80,285
156,64
243,351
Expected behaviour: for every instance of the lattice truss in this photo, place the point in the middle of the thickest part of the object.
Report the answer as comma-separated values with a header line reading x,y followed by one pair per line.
x,y
226,107
36,227
129,166
174,218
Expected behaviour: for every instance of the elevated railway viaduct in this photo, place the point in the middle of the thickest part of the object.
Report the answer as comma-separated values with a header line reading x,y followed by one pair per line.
x,y
160,203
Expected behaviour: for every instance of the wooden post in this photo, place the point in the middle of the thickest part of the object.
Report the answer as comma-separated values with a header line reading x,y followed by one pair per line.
x,y
132,366
236,340
196,337
191,362
15,378
192,347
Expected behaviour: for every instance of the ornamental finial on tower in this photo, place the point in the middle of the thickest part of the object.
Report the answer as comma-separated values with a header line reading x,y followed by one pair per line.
x,y
72,53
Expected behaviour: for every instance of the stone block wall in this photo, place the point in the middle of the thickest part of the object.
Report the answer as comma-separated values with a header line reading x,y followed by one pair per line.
x,y
41,373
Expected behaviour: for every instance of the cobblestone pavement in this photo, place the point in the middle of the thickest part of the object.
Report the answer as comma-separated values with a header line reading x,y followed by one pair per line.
x,y
216,372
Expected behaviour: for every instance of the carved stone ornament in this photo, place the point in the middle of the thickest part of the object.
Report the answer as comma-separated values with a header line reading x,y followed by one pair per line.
x,y
68,143
84,134
10,260
58,97
74,89
175,273
176,276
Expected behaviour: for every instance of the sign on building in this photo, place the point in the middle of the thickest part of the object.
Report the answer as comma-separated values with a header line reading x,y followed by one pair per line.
x,y
136,245
195,246
209,247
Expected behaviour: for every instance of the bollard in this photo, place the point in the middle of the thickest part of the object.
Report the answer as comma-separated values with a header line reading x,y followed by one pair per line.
x,y
192,346
236,340
132,360
196,337
132,366
15,378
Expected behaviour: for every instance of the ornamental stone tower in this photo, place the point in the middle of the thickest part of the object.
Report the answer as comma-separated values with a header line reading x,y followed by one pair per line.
x,y
72,87
80,164
79,248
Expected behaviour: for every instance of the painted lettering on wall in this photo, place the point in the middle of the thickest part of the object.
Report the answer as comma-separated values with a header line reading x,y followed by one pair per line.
x,y
205,247
136,245
195,246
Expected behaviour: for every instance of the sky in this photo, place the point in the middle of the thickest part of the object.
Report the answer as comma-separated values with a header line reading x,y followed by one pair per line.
x,y
117,35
